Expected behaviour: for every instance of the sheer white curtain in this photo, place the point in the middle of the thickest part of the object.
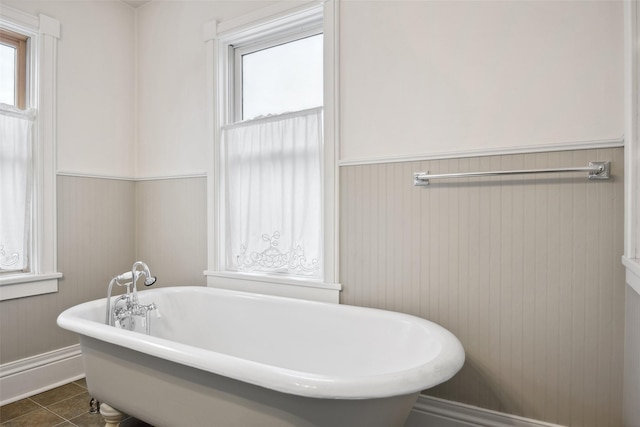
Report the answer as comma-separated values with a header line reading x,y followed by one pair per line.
x,y
273,191
16,128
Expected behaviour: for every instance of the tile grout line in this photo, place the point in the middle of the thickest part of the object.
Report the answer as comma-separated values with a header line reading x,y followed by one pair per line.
x,y
40,406
86,390
64,420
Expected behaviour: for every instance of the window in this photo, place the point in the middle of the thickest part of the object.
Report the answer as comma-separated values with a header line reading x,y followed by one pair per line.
x,y
273,195
279,76
16,128
13,68
273,192
27,154
273,172
16,134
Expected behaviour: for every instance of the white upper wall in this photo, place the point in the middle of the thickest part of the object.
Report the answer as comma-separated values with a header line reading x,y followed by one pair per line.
x,y
426,77
173,134
96,85
417,78
131,82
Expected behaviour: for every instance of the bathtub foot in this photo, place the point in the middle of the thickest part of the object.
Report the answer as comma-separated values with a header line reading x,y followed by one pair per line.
x,y
94,406
111,416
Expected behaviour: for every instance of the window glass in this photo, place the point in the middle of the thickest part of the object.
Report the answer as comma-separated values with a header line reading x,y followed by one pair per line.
x,y
283,78
7,74
16,128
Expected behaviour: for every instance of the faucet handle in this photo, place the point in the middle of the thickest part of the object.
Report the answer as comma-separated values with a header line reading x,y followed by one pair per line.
x,y
124,276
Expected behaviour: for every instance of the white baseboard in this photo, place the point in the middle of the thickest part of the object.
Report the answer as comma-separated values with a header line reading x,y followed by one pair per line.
x,y
434,412
33,375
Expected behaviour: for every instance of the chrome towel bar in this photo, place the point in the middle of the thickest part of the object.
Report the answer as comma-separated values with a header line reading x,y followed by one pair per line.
x,y
597,170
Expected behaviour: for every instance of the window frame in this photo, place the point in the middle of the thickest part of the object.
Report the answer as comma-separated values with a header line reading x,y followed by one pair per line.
x,y
43,33
274,21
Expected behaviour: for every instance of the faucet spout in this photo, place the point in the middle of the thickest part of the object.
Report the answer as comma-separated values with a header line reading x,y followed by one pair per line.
x,y
148,278
138,269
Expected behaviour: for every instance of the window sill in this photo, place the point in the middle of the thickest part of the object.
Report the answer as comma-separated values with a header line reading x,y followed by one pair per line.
x,y
274,285
27,285
633,272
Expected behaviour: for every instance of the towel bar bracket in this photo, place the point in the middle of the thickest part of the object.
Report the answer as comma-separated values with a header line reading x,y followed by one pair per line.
x,y
596,170
602,173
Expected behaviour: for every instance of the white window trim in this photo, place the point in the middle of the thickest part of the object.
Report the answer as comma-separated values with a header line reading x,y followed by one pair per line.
x,y
631,258
218,37
44,33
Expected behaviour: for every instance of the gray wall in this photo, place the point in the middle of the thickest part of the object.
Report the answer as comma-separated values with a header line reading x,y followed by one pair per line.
x,y
104,225
632,359
525,270
171,229
95,240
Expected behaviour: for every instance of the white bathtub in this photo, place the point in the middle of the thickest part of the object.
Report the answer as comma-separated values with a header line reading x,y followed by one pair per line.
x,y
225,358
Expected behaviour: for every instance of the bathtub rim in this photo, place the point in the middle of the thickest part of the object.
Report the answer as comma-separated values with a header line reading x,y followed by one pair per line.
x,y
404,381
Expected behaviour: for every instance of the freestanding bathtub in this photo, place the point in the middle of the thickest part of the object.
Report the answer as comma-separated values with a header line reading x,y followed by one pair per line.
x,y
225,358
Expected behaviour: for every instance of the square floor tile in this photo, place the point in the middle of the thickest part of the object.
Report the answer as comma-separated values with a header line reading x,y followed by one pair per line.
x,y
82,382
16,409
88,420
57,394
40,417
72,407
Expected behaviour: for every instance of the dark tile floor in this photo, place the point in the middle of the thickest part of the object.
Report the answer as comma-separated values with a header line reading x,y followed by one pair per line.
x,y
67,405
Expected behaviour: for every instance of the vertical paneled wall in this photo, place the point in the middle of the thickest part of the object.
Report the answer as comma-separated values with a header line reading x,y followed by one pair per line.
x,y
632,359
95,240
104,225
525,270
171,229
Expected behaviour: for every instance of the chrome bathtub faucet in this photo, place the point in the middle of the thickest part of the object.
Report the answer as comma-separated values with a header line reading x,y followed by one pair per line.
x,y
126,306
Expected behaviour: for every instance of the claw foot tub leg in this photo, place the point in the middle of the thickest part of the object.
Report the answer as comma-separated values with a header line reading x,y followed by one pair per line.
x,y
94,406
111,416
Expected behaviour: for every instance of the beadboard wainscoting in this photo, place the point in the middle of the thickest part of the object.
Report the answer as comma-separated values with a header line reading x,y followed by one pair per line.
x,y
524,269
632,359
171,229
104,225
95,239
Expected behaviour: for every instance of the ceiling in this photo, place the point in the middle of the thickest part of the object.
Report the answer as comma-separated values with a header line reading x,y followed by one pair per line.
x,y
136,3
